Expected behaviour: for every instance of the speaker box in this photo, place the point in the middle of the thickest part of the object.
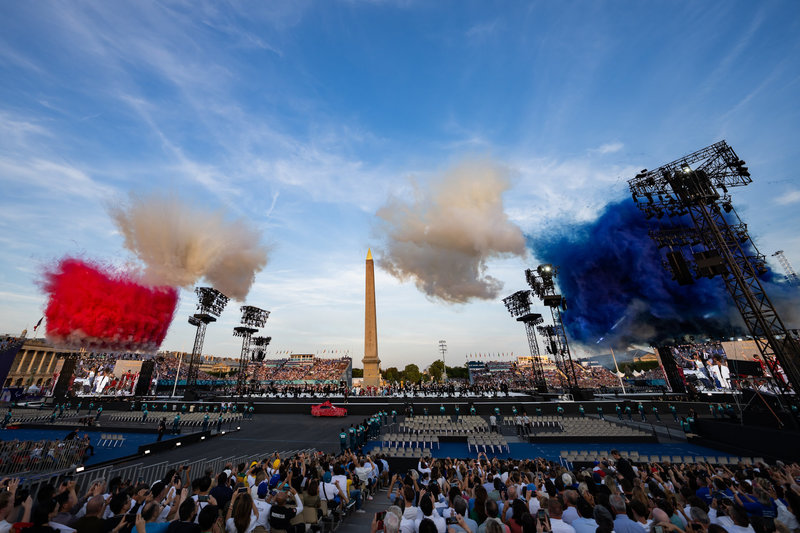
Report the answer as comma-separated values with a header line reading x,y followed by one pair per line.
x,y
679,268
671,369
64,378
745,368
145,377
710,264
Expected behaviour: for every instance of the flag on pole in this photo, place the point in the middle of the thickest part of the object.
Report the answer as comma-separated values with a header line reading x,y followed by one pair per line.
x,y
38,324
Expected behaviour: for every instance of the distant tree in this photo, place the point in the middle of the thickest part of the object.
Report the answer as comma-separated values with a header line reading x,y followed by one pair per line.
x,y
629,367
358,372
411,373
436,370
392,374
458,372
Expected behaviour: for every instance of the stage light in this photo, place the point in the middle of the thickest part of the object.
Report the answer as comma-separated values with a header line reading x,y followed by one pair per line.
x,y
686,169
238,428
79,469
223,433
177,444
147,452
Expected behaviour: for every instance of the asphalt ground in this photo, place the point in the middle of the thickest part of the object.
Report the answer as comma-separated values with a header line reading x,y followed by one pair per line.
x,y
263,435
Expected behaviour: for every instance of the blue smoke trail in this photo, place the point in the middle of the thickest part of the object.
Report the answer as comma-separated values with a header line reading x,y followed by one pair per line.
x,y
619,293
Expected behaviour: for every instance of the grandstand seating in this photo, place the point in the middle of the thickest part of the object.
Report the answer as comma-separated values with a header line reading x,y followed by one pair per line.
x,y
568,457
187,419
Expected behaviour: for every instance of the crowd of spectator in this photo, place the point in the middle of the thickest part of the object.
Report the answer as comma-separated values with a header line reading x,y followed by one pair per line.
x,y
534,495
8,342
167,367
43,455
273,371
437,495
686,354
594,377
268,495
494,373
705,365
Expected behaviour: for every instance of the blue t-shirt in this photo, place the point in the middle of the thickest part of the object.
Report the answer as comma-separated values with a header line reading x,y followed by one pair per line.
x,y
156,527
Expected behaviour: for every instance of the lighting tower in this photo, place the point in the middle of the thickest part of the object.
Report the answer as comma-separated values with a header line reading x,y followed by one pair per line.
x,y
791,275
252,319
542,281
706,238
519,305
210,304
443,349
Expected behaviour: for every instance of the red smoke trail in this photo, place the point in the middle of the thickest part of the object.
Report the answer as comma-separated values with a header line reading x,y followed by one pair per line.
x,y
92,308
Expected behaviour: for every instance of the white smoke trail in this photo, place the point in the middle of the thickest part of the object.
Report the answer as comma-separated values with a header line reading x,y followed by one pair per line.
x,y
442,238
180,244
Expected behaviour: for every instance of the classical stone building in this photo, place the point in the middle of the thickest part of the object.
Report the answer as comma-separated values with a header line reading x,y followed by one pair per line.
x,y
35,364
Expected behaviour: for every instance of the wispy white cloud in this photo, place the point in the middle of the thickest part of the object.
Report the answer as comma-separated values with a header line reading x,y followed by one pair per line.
x,y
551,191
483,30
54,177
608,148
788,198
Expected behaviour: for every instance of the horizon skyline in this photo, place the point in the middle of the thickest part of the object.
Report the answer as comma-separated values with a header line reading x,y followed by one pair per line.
x,y
308,120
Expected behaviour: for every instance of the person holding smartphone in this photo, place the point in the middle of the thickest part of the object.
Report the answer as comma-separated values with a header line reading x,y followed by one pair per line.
x,y
280,516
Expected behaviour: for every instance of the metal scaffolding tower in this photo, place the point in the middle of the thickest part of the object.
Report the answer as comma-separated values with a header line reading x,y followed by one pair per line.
x,y
791,275
706,238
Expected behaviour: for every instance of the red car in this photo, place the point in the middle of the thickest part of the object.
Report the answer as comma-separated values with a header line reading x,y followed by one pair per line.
x,y
327,409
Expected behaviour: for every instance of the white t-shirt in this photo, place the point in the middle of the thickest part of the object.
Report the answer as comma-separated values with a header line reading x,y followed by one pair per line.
x,y
263,514
342,482
441,524
61,527
5,526
200,505
327,491
363,472
559,526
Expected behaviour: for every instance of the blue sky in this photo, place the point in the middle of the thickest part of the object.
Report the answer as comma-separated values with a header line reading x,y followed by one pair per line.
x,y
303,117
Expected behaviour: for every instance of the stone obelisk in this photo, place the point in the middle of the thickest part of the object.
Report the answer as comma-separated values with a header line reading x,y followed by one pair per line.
x,y
372,365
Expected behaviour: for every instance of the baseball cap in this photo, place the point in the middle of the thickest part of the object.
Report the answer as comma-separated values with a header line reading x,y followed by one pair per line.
x,y
263,489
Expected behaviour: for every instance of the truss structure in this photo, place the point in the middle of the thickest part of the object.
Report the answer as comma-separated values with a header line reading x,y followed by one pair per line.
x,y
210,304
519,306
694,218
542,282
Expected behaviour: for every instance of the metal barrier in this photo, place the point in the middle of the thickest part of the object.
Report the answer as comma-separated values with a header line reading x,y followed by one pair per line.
x,y
135,472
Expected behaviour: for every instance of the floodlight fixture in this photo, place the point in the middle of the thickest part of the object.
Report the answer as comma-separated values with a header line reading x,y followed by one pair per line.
x,y
518,303
210,301
253,316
